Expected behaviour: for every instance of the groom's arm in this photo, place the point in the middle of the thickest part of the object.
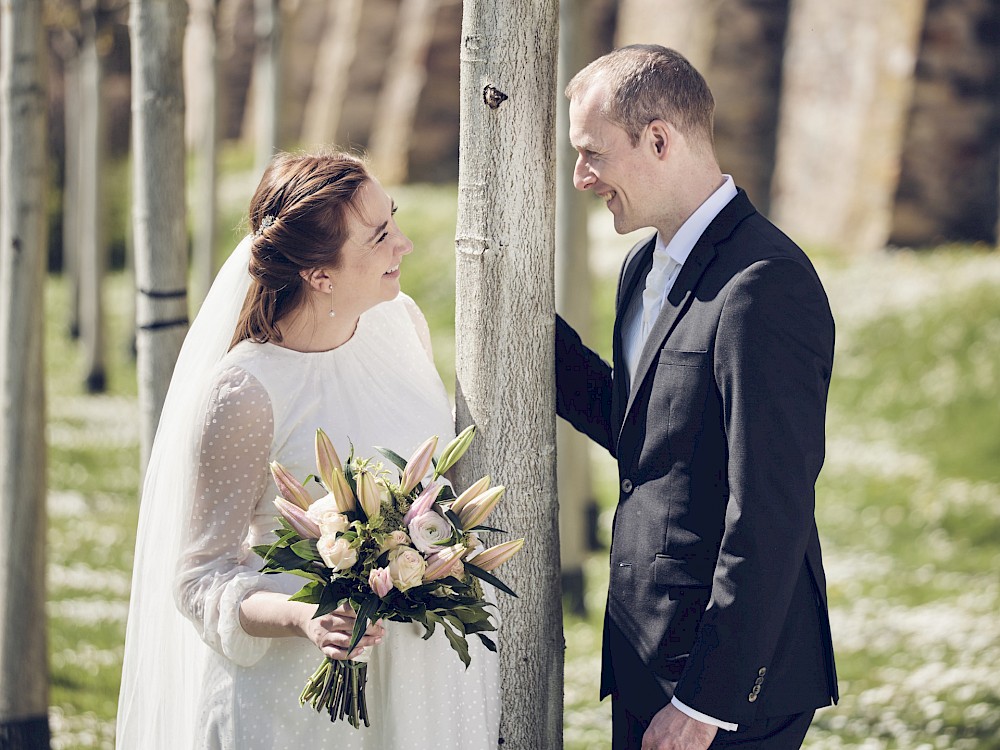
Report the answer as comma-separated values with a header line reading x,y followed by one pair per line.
x,y
583,387
773,360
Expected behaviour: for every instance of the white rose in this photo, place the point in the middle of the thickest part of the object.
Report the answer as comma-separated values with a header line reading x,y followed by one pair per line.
x,y
319,507
331,523
406,566
428,529
336,552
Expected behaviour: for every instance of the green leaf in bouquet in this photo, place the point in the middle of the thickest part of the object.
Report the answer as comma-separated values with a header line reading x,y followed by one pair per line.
x,y
489,578
447,494
458,642
306,549
311,593
480,527
394,457
429,622
365,612
331,597
284,558
488,642
453,517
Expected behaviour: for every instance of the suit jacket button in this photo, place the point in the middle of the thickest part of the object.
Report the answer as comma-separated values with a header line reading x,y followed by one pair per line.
x,y
756,689
759,681
762,672
626,486
752,697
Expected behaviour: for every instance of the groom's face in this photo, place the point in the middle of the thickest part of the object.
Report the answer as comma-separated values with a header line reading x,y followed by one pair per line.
x,y
607,162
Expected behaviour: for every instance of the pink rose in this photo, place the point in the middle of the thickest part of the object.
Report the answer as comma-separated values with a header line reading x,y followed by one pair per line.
x,y
380,580
395,539
406,566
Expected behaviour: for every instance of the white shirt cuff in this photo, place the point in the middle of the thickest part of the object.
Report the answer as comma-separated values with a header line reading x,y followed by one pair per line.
x,y
704,718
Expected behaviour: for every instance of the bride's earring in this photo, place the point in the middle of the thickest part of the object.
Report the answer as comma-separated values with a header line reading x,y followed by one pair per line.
x,y
332,314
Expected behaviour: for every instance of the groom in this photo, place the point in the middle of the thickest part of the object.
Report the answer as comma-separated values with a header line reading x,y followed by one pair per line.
x,y
716,632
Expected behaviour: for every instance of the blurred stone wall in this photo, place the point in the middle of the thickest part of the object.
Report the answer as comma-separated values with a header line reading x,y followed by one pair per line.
x,y
951,154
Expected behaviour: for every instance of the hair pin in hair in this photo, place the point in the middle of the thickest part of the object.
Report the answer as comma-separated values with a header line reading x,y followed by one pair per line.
x,y
266,222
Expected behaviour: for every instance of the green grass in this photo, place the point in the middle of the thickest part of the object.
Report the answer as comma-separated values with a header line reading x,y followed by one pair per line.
x,y
908,503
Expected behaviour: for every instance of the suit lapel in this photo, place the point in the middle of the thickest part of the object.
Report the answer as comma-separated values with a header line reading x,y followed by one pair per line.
x,y
635,270
681,294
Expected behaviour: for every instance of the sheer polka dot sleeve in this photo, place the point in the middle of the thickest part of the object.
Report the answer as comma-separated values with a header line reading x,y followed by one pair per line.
x,y
218,568
419,325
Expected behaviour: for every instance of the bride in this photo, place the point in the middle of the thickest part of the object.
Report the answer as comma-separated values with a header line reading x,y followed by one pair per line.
x,y
305,327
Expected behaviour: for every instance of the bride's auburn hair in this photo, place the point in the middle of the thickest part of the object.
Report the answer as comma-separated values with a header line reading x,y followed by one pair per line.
x,y
298,219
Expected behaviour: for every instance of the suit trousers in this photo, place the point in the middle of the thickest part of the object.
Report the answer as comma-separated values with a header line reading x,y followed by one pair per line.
x,y
777,733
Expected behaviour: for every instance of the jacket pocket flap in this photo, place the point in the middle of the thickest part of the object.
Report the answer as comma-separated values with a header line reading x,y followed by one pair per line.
x,y
676,571
682,358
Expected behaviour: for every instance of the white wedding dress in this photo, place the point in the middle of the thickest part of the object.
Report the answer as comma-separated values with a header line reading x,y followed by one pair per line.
x,y
378,389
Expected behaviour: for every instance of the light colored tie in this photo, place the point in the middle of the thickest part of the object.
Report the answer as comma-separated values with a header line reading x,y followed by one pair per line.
x,y
662,272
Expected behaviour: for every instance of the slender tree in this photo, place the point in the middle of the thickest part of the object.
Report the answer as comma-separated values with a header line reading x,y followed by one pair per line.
x,y
158,209
92,254
337,49
504,332
405,75
201,85
266,77
573,303
23,658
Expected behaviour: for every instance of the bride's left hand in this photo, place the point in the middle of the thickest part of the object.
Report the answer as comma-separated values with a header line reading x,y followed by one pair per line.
x,y
332,633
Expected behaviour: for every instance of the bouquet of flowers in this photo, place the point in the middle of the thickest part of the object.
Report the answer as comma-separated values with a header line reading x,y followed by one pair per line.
x,y
405,550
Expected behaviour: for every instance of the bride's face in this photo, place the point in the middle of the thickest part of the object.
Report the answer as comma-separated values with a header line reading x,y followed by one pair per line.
x,y
369,268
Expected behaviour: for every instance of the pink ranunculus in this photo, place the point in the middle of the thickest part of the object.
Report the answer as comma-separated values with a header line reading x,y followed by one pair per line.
x,y
380,580
429,530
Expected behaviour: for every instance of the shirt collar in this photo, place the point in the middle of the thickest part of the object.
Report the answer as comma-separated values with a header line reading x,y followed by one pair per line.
x,y
683,242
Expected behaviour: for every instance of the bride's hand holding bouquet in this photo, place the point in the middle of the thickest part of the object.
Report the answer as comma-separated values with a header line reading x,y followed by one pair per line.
x,y
379,548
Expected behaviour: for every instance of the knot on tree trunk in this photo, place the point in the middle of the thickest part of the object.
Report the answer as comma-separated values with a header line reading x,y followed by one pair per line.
x,y
493,97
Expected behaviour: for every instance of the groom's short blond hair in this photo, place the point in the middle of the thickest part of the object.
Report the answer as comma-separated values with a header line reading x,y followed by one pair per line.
x,y
647,82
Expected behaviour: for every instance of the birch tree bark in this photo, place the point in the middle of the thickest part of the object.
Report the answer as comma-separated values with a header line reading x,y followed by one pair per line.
x,y
92,254
504,333
847,86
71,181
23,648
158,209
201,85
329,89
266,75
404,81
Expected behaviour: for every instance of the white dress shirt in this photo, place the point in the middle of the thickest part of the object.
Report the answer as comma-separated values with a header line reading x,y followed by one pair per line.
x,y
668,259
643,309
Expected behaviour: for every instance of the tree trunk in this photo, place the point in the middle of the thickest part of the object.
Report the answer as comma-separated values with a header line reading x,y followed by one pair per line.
x,y
846,91
330,79
158,210
71,189
23,648
90,242
687,26
201,85
404,81
266,78
504,333
573,303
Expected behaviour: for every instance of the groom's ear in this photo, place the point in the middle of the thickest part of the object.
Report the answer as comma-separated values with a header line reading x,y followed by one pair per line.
x,y
660,136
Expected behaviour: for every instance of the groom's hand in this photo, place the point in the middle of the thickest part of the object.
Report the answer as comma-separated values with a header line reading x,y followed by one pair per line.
x,y
672,729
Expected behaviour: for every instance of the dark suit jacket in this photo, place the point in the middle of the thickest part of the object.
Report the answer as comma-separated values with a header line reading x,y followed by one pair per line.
x,y
717,592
